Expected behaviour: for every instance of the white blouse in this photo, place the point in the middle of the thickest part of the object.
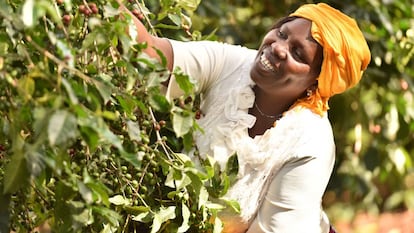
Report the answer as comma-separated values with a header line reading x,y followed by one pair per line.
x,y
282,173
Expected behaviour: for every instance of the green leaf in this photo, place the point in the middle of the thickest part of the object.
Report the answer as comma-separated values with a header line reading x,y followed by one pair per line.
x,y
132,158
143,217
185,212
72,96
409,198
135,210
214,206
169,180
218,225
110,11
62,128
235,206
26,87
85,192
183,182
182,157
128,104
394,200
184,81
182,122
113,217
159,102
189,5
176,19
188,141
119,200
104,89
99,192
107,228
161,216
4,212
232,168
81,215
16,173
90,136
27,13
134,131
65,53
202,197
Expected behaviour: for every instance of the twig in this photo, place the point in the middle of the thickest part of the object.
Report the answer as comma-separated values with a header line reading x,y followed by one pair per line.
x,y
60,62
157,132
146,18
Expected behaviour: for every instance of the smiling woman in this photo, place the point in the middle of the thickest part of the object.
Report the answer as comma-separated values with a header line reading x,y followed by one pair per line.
x,y
288,64
269,106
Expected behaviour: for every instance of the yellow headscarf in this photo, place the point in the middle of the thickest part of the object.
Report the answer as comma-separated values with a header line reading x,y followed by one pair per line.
x,y
345,53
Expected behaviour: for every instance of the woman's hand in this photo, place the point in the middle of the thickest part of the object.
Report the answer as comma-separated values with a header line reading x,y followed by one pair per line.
x,y
154,43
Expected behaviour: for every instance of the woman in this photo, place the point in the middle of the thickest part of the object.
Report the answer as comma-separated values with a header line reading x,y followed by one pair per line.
x,y
270,108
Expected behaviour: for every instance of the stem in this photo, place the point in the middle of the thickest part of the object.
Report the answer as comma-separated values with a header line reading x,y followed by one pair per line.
x,y
60,62
126,223
146,17
157,133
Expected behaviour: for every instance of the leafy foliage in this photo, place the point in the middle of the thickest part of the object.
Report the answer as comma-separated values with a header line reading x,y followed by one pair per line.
x,y
89,143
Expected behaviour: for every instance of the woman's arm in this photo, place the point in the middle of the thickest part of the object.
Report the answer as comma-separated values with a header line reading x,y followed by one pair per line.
x,y
153,42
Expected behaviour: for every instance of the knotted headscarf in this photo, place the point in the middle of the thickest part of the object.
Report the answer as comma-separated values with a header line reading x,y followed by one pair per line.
x,y
345,53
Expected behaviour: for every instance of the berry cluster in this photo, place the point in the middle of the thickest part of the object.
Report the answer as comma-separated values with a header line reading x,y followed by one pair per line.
x,y
84,9
89,9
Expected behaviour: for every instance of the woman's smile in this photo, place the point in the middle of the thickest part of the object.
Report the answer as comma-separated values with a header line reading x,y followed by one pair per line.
x,y
288,61
266,63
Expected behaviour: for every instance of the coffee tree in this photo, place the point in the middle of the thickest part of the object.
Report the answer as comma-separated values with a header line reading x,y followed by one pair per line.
x,y
88,141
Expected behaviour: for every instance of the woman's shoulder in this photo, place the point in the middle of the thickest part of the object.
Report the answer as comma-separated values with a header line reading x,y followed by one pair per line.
x,y
312,131
306,120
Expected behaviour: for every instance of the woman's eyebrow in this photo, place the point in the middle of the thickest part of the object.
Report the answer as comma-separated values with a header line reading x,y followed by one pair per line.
x,y
310,38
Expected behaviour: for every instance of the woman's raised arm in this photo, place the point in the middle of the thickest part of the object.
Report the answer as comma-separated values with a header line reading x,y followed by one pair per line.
x,y
152,41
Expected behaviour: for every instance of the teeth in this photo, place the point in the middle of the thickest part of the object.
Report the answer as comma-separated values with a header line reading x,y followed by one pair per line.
x,y
266,63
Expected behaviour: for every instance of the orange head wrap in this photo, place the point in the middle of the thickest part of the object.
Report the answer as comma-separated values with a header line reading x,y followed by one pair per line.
x,y
345,53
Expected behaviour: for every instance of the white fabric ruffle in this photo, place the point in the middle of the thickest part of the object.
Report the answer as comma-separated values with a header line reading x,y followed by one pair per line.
x,y
259,158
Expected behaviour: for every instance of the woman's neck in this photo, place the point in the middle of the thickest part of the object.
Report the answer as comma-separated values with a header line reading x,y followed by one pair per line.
x,y
267,109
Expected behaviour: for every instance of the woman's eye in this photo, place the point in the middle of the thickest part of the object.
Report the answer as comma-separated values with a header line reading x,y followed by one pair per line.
x,y
282,35
298,55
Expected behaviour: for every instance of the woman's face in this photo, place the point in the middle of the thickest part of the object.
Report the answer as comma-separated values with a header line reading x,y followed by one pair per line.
x,y
288,60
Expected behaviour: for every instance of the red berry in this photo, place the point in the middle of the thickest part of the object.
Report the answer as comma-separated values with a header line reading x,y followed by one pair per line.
x,y
188,100
87,12
82,8
162,123
141,16
59,2
182,103
66,19
93,8
136,12
157,127
404,84
198,114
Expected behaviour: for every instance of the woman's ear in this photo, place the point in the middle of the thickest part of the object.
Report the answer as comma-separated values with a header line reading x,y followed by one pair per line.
x,y
314,86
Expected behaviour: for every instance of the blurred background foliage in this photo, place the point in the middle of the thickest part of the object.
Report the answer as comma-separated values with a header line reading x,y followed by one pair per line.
x,y
373,122
82,171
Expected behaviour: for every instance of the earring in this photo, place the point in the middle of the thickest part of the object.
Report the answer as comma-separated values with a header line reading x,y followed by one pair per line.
x,y
308,92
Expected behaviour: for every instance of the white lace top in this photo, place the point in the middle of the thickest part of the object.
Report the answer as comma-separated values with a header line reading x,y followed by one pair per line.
x,y
282,173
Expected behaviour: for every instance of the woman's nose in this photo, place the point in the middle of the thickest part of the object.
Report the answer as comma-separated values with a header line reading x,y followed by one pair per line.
x,y
280,49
